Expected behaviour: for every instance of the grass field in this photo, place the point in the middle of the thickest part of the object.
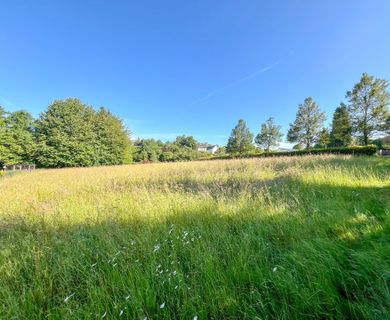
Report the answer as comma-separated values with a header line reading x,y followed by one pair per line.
x,y
285,238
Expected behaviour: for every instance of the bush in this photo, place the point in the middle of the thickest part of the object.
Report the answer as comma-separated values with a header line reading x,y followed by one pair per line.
x,y
355,150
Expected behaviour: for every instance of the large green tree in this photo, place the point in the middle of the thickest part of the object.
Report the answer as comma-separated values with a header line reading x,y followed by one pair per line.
x,y
240,140
270,135
368,106
308,124
113,139
17,145
71,133
341,132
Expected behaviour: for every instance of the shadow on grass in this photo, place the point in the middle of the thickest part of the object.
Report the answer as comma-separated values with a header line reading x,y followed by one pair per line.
x,y
326,256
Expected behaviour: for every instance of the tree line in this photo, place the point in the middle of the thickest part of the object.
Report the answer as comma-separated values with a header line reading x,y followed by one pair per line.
x,y
365,117
70,133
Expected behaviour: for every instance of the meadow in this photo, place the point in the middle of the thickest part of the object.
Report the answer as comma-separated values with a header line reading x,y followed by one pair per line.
x,y
274,238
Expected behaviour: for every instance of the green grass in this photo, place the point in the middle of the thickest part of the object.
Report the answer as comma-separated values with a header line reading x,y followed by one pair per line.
x,y
287,238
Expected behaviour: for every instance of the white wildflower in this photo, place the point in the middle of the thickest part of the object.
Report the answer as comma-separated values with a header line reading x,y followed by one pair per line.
x,y
68,297
120,313
162,305
195,318
274,269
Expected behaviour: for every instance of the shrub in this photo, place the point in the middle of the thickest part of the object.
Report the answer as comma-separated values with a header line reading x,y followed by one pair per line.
x,y
355,150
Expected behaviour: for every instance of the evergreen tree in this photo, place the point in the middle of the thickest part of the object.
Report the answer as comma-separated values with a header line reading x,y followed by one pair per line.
x,y
307,126
368,106
240,140
269,136
323,139
341,133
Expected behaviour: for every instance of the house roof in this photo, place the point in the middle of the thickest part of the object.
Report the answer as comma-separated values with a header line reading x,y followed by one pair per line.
x,y
206,145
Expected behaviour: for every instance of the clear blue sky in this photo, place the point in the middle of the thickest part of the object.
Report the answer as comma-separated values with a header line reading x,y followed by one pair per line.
x,y
190,66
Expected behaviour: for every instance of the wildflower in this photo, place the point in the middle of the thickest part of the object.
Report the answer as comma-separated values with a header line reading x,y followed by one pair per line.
x,y
68,297
156,247
274,269
120,313
162,305
195,318
174,272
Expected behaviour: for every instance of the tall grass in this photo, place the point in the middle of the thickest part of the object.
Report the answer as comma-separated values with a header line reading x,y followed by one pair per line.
x,y
290,238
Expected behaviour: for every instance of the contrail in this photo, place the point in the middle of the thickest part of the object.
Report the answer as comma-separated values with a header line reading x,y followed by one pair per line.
x,y
235,83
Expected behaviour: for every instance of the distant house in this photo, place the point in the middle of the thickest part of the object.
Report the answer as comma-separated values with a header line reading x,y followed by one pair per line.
x,y
205,147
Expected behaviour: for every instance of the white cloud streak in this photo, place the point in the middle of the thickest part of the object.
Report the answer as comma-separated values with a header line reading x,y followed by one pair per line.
x,y
236,83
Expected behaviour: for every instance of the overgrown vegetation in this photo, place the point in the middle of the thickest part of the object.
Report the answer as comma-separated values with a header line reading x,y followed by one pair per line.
x,y
72,134
355,150
284,238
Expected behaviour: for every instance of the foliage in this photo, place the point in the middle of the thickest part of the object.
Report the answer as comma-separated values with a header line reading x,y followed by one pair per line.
x,y
147,150
150,150
341,133
270,135
71,134
368,106
240,140
186,141
280,238
368,150
307,126
113,139
16,137
323,139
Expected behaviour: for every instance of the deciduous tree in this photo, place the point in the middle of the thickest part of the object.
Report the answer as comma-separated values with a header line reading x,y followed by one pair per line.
x,y
368,106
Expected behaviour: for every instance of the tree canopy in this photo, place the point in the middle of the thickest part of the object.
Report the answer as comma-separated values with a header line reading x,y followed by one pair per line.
x,y
71,133
308,124
368,106
241,138
270,135
341,132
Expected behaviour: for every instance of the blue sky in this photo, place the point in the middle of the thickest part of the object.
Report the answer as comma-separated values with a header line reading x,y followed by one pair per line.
x,y
190,67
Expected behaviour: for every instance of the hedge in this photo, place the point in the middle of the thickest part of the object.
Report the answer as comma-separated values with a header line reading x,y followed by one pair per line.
x,y
355,150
